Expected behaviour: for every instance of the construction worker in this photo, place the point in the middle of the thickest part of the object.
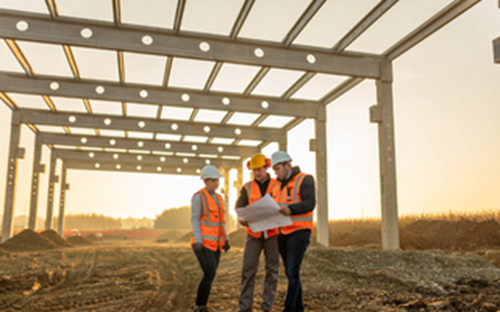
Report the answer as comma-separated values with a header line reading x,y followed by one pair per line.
x,y
208,237
251,192
296,195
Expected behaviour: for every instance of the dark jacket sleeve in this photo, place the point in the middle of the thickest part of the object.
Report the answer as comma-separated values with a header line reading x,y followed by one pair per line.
x,y
308,195
242,199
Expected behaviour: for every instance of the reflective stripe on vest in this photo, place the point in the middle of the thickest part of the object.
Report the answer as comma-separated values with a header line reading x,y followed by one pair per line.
x,y
212,231
302,221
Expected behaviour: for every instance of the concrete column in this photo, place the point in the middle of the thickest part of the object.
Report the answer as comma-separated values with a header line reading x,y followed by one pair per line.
x,y
10,187
53,179
38,168
225,191
319,145
238,184
283,143
62,199
382,113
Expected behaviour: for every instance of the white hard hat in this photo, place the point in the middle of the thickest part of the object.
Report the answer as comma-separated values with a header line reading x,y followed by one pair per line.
x,y
210,172
280,157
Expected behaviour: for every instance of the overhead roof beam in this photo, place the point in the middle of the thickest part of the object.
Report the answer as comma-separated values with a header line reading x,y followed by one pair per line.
x,y
238,24
52,7
20,57
376,13
341,89
39,117
256,80
452,11
308,14
131,168
181,4
222,49
8,101
130,158
297,85
155,95
143,144
117,12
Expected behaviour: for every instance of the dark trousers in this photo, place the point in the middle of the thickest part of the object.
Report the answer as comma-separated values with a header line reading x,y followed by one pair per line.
x,y
292,248
209,261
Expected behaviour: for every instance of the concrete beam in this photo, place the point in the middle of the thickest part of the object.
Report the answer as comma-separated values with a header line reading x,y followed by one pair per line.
x,y
308,14
132,168
496,50
340,90
376,13
126,38
10,82
94,121
146,145
446,15
141,159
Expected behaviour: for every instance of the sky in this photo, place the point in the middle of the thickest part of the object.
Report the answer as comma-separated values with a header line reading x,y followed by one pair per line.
x,y
446,117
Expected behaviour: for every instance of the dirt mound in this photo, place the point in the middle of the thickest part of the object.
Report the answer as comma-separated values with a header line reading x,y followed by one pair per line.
x,y
115,237
485,234
28,240
237,238
55,238
78,240
93,238
186,238
171,235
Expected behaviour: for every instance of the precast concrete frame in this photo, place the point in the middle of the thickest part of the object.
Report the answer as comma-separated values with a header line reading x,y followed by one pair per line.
x,y
122,38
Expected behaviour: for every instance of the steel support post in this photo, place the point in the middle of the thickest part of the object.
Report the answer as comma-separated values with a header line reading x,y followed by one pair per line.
x,y
53,179
10,189
38,168
62,199
383,114
319,146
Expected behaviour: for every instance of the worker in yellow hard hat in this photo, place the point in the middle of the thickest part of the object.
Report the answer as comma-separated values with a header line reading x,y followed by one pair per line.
x,y
251,192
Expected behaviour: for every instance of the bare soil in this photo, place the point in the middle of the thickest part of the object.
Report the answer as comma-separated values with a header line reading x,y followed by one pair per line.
x,y
144,276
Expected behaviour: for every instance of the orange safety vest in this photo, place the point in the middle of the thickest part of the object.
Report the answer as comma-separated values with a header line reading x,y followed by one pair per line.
x,y
290,194
253,193
212,221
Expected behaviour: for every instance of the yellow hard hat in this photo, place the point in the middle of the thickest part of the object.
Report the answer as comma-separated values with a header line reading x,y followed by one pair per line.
x,y
258,161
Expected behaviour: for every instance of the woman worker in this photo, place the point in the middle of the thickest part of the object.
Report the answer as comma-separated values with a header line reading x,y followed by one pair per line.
x,y
209,236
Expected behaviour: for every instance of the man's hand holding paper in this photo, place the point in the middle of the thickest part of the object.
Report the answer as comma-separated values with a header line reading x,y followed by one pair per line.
x,y
263,215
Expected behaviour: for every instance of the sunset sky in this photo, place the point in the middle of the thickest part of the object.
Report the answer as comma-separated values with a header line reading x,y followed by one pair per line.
x,y
447,121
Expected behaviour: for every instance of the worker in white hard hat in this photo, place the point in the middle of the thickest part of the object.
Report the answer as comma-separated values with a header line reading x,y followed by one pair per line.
x,y
251,192
209,237
296,195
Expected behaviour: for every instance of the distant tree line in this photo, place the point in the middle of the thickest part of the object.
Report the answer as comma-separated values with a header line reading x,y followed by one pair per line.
x,y
177,219
91,221
174,218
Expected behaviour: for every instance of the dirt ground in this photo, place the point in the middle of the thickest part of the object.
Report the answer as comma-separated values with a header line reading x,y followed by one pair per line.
x,y
150,276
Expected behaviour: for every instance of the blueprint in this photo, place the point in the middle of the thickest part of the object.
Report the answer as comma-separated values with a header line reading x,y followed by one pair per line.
x,y
263,215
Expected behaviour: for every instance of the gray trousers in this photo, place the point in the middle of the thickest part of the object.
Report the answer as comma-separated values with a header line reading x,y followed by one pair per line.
x,y
251,255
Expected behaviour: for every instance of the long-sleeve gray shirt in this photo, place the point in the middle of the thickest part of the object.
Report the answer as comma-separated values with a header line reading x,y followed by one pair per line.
x,y
196,213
